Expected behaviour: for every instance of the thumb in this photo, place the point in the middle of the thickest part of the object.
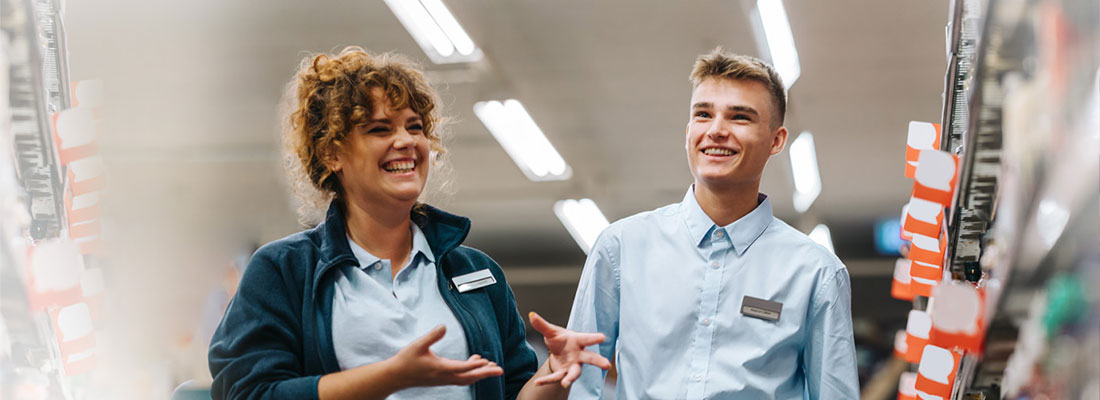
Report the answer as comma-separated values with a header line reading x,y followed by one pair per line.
x,y
430,338
545,328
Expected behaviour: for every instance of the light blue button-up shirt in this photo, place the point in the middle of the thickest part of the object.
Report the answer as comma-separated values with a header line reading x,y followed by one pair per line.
x,y
375,314
666,287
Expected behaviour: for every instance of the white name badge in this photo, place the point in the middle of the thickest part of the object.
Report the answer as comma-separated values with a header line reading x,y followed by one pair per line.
x,y
473,280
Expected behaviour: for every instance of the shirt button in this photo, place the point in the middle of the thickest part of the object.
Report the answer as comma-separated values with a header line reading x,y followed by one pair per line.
x,y
719,233
706,322
714,264
698,377
377,266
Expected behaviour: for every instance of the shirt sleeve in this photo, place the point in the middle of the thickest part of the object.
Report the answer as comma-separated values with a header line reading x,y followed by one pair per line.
x,y
829,358
254,353
596,309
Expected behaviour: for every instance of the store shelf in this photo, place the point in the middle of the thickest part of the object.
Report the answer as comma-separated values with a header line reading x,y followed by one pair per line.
x,y
33,185
1021,110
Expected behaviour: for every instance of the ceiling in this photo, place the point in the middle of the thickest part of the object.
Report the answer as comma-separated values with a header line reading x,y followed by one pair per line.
x,y
193,88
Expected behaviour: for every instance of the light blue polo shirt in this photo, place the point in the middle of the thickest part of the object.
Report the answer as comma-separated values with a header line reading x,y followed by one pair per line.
x,y
375,314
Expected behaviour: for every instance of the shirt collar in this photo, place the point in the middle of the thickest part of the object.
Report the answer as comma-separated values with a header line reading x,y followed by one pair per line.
x,y
742,233
419,246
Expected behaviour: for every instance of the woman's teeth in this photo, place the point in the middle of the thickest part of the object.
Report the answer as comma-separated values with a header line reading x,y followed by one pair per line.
x,y
717,152
400,166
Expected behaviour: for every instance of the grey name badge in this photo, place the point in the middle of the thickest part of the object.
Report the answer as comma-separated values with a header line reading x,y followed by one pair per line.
x,y
760,308
473,280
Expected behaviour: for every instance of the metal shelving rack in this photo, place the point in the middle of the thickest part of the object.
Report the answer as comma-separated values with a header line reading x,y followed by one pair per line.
x,y
994,48
32,189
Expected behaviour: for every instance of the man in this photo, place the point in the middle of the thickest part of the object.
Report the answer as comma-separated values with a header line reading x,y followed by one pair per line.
x,y
714,297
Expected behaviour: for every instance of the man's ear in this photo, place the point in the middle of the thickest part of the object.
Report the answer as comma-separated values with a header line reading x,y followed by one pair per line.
x,y
780,140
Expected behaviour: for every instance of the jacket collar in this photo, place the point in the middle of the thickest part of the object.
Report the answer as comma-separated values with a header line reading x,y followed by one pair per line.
x,y
443,232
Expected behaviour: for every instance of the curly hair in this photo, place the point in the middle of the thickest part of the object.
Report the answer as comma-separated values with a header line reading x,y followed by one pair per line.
x,y
330,94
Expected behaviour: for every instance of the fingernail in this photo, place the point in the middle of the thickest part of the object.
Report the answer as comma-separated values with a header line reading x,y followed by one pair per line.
x,y
530,314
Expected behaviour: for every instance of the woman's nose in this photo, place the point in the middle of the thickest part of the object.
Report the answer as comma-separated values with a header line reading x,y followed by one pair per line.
x,y
403,139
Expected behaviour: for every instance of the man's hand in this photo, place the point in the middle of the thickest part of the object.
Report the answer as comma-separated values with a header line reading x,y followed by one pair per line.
x,y
567,352
416,365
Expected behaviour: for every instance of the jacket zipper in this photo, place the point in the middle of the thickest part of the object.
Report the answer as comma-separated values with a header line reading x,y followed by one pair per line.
x,y
456,302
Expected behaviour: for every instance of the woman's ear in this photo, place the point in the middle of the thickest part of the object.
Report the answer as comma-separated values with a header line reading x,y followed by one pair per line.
x,y
332,160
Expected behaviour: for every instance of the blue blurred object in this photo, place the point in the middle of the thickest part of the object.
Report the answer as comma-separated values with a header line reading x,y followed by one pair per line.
x,y
888,236
191,390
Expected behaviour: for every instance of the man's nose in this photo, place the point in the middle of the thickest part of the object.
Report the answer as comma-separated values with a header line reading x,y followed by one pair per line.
x,y
718,129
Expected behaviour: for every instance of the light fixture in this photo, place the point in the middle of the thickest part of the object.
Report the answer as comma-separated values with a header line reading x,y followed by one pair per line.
x,y
820,235
522,139
583,219
807,178
436,30
773,31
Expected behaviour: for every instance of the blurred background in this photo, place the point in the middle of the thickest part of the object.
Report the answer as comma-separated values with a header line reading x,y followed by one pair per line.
x,y
177,104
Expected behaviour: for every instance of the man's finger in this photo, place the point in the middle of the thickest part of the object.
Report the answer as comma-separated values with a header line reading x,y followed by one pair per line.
x,y
545,328
588,339
552,378
430,338
572,375
589,357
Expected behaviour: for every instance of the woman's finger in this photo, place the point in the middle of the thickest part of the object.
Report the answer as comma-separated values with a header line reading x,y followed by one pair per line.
x,y
545,328
591,358
430,338
456,366
552,378
572,375
469,377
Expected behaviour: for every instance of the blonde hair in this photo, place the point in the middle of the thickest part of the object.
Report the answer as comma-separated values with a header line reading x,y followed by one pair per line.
x,y
330,94
721,64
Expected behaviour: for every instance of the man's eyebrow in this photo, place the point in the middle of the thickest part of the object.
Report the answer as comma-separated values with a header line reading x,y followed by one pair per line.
x,y
744,109
702,104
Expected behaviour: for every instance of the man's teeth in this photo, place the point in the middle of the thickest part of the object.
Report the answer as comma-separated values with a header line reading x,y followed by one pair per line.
x,y
717,152
400,166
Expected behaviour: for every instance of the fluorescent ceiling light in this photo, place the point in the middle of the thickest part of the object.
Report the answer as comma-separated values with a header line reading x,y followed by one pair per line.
x,y
820,235
582,219
807,178
522,139
436,30
773,25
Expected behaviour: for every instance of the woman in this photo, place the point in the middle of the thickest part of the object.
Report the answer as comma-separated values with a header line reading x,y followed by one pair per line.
x,y
381,298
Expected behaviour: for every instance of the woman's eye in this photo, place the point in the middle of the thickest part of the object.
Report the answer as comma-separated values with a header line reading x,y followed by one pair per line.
x,y
378,129
416,127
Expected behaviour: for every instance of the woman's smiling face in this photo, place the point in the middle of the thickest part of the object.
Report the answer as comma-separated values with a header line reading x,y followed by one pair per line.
x,y
386,158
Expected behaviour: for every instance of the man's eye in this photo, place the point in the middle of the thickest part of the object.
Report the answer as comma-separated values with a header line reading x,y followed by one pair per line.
x,y
702,114
742,116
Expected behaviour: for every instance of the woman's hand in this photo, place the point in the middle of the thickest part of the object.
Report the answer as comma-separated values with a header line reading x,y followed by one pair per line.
x,y
419,366
567,352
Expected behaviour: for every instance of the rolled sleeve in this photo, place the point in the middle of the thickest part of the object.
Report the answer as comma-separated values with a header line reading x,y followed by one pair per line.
x,y
829,355
596,309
